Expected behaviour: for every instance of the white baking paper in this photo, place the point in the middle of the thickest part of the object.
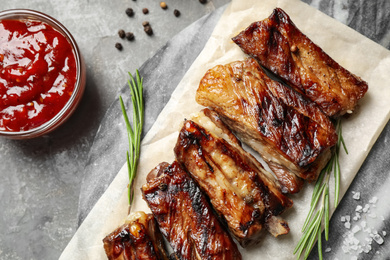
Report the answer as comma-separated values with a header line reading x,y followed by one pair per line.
x,y
355,52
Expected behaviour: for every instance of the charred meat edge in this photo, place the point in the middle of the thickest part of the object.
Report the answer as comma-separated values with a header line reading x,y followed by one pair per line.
x,y
283,49
138,238
184,215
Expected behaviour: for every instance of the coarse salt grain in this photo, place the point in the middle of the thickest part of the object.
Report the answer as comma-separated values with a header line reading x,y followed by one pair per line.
x,y
378,239
374,200
359,208
356,196
345,249
367,249
367,230
357,216
356,229
347,225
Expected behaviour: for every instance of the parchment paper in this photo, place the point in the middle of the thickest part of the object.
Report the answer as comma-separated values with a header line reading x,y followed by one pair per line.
x,y
352,50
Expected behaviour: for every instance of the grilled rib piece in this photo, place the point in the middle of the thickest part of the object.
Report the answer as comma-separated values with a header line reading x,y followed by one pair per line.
x,y
139,238
239,188
184,215
282,48
291,133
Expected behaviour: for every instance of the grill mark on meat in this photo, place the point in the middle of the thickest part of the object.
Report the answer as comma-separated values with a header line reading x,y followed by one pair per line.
x,y
279,123
245,211
185,217
283,49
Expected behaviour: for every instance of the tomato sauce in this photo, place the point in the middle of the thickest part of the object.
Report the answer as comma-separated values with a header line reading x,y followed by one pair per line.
x,y
37,73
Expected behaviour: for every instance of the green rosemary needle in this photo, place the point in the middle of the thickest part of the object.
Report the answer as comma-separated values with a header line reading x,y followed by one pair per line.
x,y
320,204
134,132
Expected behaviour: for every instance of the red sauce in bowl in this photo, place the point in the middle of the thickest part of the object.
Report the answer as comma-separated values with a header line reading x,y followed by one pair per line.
x,y
38,73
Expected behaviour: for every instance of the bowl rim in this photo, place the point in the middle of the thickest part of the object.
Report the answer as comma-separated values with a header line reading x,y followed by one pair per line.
x,y
78,88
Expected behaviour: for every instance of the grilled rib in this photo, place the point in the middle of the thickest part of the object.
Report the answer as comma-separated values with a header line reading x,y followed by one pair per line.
x,y
291,133
138,239
283,49
184,215
239,188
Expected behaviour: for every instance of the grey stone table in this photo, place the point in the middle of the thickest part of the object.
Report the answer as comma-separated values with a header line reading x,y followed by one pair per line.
x,y
41,178
49,184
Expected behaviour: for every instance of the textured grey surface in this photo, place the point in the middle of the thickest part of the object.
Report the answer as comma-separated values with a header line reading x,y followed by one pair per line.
x,y
42,178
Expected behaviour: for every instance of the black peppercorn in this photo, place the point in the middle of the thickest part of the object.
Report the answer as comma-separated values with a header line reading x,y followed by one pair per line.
x,y
121,34
145,10
130,36
203,1
118,46
130,12
148,29
145,23
176,13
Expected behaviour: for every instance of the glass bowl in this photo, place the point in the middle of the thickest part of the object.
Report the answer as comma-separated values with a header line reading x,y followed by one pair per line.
x,y
71,104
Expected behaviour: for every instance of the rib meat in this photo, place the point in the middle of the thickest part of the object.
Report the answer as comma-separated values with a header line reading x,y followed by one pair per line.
x,y
282,48
291,133
138,239
240,190
184,215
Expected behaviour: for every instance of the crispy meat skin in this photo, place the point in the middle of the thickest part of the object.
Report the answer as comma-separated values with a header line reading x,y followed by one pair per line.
x,y
286,129
185,217
139,239
282,48
239,189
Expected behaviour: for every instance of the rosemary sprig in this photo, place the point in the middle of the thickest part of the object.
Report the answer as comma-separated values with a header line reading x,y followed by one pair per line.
x,y
312,227
134,133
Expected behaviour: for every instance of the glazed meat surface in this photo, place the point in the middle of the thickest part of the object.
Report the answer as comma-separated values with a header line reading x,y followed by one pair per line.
x,y
184,215
240,190
138,239
283,49
291,133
